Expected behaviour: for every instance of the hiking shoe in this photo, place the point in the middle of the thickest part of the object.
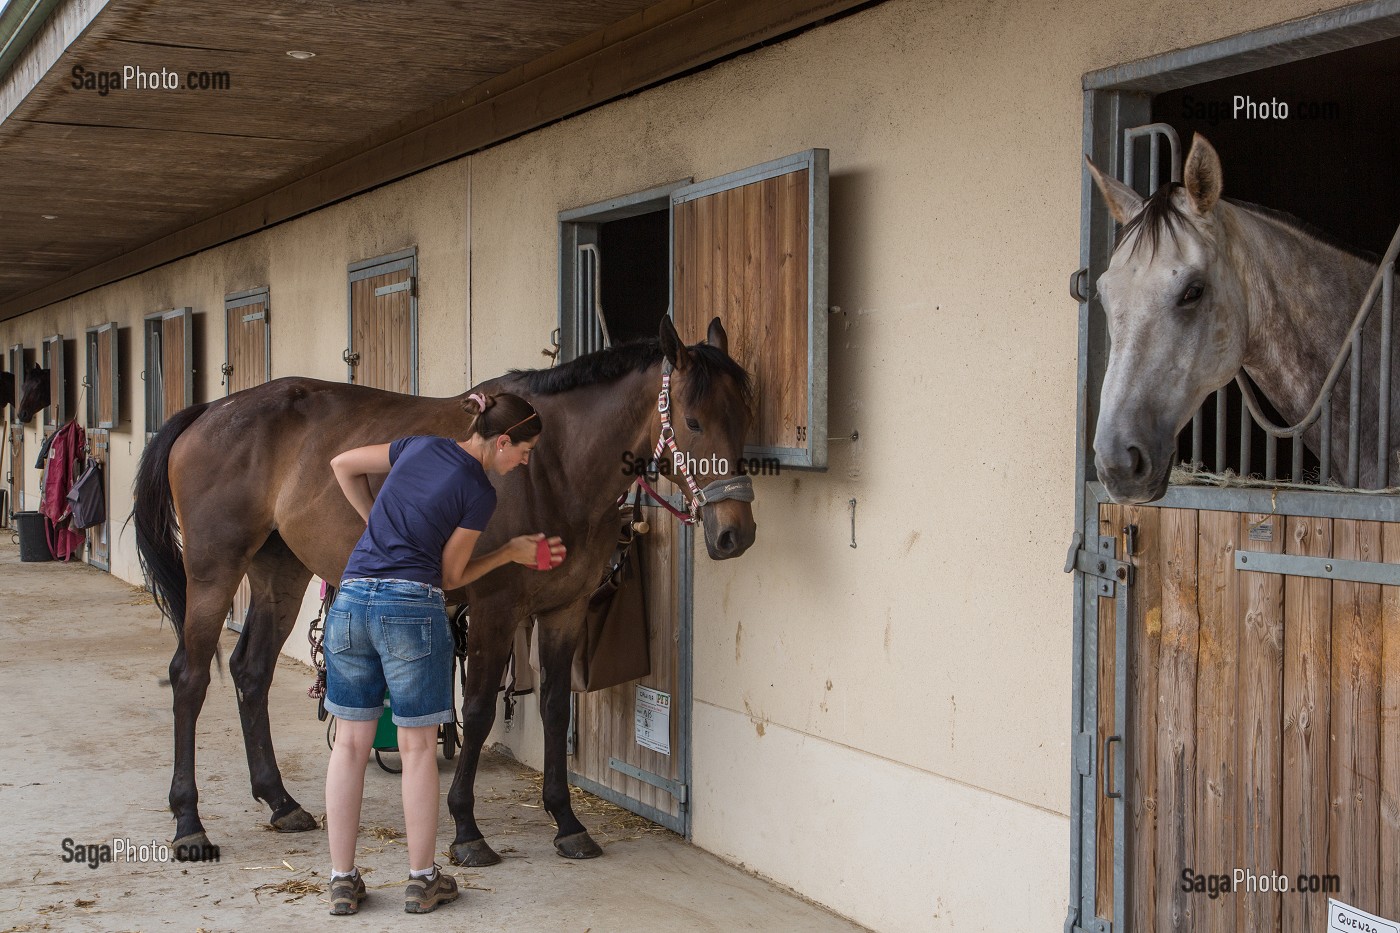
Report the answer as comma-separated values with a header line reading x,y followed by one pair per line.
x,y
425,894
346,894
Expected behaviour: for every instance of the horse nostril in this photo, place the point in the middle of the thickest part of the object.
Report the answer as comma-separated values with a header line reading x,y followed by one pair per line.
x,y
725,542
1134,460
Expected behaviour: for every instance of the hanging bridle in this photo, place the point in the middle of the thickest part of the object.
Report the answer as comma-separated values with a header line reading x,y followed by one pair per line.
x,y
739,488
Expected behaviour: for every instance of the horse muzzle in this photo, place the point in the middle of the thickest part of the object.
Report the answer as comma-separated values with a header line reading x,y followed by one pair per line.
x,y
1134,472
728,517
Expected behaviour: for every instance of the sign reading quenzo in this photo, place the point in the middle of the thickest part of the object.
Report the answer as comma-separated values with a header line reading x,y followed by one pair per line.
x,y
1342,918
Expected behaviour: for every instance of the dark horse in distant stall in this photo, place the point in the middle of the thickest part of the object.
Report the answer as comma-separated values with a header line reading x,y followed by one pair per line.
x,y
33,393
248,478
1199,287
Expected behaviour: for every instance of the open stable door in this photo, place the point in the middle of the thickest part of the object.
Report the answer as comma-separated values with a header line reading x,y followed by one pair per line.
x,y
169,371
750,248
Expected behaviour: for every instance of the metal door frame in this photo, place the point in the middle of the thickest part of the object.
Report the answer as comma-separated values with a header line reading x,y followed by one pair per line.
x,y
579,227
1116,99
153,329
91,347
52,351
368,269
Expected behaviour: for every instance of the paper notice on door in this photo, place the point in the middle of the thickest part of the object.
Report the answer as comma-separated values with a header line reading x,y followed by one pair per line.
x,y
654,720
1342,918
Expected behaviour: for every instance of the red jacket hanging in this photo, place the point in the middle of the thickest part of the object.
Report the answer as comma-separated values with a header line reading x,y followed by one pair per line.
x,y
61,471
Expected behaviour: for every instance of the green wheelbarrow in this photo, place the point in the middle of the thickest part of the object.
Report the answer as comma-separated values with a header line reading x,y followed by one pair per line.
x,y
386,737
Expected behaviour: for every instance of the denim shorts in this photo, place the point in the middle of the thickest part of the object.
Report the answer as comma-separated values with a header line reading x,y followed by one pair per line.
x,y
389,635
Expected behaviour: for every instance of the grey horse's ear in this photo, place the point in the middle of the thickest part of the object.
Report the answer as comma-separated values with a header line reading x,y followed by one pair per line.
x,y
716,337
1123,201
1203,176
671,346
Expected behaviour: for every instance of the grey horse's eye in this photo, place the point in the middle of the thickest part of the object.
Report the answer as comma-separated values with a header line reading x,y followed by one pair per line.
x,y
1193,294
692,424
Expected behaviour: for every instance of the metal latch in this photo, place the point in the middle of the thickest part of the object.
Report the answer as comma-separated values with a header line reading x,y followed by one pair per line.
x,y
1101,563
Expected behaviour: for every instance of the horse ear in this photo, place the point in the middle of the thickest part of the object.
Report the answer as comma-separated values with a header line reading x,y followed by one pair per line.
x,y
716,337
1203,176
1123,201
671,345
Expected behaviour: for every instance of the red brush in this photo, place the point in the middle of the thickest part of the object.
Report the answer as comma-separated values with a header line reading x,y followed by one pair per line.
x,y
543,558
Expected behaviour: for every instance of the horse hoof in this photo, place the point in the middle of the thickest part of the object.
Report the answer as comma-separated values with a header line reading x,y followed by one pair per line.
x,y
579,845
195,847
297,821
474,854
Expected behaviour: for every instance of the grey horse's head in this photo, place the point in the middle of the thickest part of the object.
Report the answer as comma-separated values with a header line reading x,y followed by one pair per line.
x,y
1176,320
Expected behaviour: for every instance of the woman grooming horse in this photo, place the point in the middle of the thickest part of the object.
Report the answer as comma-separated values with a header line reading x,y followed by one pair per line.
x,y
388,625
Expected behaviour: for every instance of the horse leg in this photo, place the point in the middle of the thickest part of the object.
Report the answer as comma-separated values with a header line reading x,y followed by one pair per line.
x,y
207,604
278,581
559,633
488,651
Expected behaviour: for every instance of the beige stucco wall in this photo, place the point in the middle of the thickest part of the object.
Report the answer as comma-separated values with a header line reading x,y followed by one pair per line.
x,y
882,728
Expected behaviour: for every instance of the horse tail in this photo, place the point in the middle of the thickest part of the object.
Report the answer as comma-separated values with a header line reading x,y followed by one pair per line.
x,y
157,530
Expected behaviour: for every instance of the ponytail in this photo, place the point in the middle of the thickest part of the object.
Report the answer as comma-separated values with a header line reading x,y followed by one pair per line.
x,y
504,413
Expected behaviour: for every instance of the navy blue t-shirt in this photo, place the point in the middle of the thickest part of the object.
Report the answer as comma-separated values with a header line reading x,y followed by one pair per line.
x,y
434,487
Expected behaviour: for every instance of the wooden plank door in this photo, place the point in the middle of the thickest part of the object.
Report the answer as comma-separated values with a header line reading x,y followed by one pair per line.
x,y
609,757
101,414
751,248
247,363
169,372
1263,730
99,537
383,351
15,468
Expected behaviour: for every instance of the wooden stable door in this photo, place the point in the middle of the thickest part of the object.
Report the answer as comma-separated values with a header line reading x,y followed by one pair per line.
x,y
247,363
15,468
383,351
618,753
99,537
247,335
1263,730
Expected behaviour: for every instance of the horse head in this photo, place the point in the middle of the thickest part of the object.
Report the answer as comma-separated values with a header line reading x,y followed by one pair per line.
x,y
1177,323
34,394
711,410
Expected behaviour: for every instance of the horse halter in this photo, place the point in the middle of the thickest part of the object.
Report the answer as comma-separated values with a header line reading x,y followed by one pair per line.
x,y
739,488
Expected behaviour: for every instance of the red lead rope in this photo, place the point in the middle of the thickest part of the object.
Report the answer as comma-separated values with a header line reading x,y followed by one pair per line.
x,y
660,500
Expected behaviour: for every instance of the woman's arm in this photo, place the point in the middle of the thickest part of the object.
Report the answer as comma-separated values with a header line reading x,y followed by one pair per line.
x,y
459,567
353,469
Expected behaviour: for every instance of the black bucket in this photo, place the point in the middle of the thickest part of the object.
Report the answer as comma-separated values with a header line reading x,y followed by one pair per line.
x,y
33,546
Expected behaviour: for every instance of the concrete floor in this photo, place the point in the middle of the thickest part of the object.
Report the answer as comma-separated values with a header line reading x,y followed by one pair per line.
x,y
86,755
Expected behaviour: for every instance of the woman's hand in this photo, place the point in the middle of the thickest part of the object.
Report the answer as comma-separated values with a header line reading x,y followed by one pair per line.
x,y
353,468
523,550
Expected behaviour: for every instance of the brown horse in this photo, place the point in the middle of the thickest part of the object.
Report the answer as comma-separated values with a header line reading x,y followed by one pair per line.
x,y
249,479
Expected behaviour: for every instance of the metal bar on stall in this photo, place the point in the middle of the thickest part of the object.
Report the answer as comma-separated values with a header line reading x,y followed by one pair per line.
x,y
1270,456
1221,409
1383,436
1154,172
1197,439
1354,426
1296,461
1325,471
1246,437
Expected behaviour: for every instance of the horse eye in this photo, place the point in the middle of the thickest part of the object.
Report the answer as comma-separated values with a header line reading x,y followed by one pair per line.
x,y
692,424
1193,294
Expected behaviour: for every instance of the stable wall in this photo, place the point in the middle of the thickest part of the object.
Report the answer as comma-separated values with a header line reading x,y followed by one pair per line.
x,y
883,728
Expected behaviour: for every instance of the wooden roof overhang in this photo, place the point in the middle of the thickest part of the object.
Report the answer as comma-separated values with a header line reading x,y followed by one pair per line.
x,y
95,187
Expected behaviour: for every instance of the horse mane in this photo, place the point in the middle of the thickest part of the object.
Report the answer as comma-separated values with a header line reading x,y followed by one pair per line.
x,y
1160,217
1302,226
608,365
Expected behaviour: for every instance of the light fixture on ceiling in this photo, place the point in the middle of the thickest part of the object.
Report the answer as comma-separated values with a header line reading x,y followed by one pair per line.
x,y
49,216
301,56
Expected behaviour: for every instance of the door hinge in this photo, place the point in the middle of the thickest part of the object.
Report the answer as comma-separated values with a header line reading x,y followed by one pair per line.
x,y
1101,563
1083,753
